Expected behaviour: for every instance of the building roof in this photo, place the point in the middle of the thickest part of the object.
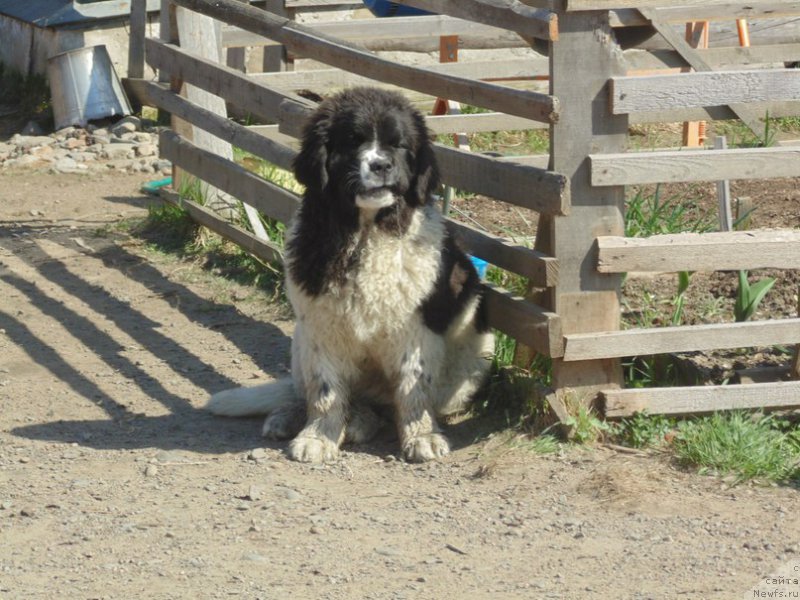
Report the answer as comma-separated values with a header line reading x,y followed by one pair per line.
x,y
68,13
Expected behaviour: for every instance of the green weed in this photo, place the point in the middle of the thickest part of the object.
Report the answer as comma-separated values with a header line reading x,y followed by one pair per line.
x,y
647,214
585,425
739,445
644,431
648,371
749,296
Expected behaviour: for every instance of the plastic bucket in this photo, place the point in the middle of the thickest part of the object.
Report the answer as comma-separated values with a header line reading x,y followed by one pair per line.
x,y
384,8
84,87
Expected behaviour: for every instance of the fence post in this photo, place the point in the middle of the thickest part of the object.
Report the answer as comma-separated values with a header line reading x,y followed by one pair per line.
x,y
585,299
203,36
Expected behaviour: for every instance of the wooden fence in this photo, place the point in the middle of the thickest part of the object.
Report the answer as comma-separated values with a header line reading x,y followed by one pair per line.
x,y
576,267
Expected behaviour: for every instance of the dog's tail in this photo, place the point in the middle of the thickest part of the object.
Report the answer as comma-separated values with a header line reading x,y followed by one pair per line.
x,y
256,400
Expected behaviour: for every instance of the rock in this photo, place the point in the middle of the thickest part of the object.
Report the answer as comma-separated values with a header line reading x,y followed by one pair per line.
x,y
151,471
127,124
254,557
65,132
254,493
257,454
118,151
100,138
171,456
66,165
26,142
146,150
73,143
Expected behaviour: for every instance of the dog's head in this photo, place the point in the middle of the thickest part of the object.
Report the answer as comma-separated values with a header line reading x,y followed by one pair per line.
x,y
369,148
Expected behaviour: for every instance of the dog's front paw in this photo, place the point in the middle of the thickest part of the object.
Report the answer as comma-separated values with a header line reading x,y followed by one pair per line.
x,y
425,447
313,449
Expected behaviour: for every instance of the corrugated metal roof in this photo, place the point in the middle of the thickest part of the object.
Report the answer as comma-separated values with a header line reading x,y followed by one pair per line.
x,y
61,13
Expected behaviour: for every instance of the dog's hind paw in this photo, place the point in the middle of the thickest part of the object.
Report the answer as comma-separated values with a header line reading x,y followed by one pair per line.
x,y
425,447
313,450
284,423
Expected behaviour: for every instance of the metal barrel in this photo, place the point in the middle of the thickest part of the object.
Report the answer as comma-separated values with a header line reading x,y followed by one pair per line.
x,y
84,86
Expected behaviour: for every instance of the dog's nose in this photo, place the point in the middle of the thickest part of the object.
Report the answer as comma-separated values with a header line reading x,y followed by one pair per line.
x,y
380,166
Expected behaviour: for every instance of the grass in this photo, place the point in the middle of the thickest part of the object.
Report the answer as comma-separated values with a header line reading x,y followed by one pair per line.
x,y
741,446
169,229
738,446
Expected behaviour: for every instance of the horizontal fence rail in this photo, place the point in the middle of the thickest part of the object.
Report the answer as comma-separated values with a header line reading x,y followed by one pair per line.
x,y
701,399
365,29
663,340
508,14
691,90
678,166
713,251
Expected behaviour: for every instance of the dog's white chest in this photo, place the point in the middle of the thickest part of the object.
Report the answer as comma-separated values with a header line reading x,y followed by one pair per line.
x,y
383,292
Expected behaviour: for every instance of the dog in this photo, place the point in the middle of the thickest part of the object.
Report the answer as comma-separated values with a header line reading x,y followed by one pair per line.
x,y
389,309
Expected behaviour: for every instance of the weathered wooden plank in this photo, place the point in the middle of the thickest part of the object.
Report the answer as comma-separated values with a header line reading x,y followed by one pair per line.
x,y
507,14
320,3
541,270
523,185
726,57
368,29
701,399
225,129
716,113
200,35
694,165
262,249
575,5
270,199
136,40
523,320
659,340
324,80
689,90
715,251
304,41
695,60
729,11
473,123
218,79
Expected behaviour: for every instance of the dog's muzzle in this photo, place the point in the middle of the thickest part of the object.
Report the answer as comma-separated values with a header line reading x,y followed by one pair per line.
x,y
378,174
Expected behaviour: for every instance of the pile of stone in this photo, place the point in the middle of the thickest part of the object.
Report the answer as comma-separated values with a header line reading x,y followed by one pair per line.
x,y
129,145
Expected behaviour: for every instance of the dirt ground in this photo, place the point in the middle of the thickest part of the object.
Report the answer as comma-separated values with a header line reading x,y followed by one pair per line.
x,y
114,484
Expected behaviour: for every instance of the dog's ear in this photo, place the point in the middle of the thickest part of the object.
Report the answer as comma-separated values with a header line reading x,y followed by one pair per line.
x,y
310,167
427,171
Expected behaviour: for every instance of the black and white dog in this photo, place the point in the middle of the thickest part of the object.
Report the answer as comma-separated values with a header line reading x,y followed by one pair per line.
x,y
388,308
